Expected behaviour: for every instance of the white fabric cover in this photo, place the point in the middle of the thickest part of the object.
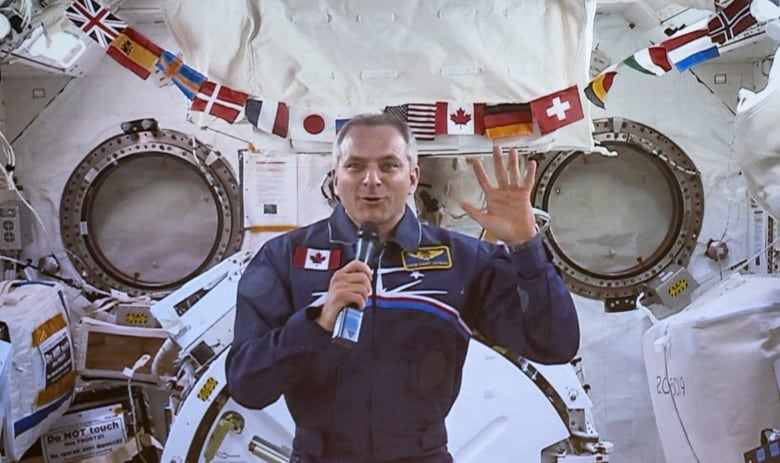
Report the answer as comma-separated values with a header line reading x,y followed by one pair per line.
x,y
6,351
764,10
757,141
701,4
42,376
718,355
367,54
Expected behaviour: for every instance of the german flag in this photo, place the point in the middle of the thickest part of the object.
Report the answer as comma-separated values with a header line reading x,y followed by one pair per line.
x,y
506,120
134,51
597,89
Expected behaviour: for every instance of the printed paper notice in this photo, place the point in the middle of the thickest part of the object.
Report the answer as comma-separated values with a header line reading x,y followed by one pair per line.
x,y
270,190
85,434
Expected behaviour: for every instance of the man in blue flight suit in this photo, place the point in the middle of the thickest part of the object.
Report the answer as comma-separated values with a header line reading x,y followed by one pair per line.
x,y
385,399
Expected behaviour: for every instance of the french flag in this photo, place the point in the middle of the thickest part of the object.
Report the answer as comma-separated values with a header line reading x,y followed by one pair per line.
x,y
269,116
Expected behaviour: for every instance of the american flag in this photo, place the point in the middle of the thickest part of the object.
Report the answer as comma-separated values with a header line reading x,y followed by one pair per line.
x,y
421,118
731,21
95,20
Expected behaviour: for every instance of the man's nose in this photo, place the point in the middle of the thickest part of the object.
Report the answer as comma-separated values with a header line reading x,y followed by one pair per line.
x,y
372,176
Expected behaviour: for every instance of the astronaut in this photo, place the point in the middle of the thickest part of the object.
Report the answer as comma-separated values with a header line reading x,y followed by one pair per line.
x,y
385,398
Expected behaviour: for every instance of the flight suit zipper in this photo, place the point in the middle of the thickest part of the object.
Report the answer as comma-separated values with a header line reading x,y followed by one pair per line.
x,y
374,279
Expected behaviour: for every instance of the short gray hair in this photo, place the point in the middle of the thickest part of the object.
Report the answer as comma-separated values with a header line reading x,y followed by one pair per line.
x,y
375,120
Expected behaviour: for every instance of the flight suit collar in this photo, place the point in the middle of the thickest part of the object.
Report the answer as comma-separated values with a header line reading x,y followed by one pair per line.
x,y
407,234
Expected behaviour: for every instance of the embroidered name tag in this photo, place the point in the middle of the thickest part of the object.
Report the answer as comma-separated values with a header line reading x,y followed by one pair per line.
x,y
316,259
425,258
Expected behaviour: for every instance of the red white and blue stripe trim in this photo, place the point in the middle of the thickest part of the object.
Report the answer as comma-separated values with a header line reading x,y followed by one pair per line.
x,y
424,304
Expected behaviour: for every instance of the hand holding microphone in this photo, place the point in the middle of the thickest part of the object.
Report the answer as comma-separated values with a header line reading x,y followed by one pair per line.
x,y
350,285
350,288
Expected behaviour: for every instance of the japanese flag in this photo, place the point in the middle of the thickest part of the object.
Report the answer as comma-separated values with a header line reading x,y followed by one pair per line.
x,y
315,124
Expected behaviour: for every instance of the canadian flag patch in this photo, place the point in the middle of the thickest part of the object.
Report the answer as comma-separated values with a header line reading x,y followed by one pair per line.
x,y
316,259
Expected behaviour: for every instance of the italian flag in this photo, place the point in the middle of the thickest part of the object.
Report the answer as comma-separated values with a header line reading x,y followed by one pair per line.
x,y
651,60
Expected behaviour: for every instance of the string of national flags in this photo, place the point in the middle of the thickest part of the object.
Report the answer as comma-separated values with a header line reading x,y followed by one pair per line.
x,y
142,56
681,51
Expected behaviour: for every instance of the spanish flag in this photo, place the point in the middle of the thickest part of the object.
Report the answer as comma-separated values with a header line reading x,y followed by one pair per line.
x,y
506,120
134,51
597,89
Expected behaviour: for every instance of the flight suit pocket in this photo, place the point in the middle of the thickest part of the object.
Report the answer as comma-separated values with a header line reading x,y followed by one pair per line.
x,y
308,446
431,370
324,369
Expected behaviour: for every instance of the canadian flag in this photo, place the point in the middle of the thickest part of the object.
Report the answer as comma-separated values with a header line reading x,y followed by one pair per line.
x,y
316,259
455,118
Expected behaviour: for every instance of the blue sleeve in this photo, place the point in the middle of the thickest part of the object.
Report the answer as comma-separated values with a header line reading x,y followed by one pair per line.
x,y
524,303
272,340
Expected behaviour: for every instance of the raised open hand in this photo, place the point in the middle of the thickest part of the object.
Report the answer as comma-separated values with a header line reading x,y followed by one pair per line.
x,y
508,213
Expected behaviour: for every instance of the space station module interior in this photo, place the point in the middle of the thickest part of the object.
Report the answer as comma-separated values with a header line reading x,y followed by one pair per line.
x,y
151,147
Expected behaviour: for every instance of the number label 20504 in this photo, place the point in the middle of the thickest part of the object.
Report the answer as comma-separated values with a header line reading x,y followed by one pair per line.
x,y
670,385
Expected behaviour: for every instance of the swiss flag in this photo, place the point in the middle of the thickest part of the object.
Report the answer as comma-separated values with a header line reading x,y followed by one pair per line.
x,y
220,101
553,111
455,118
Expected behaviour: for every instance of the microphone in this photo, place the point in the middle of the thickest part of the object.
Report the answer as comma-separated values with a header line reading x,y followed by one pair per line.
x,y
346,330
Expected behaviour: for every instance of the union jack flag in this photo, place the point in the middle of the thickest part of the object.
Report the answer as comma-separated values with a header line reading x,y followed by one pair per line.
x,y
95,20
220,101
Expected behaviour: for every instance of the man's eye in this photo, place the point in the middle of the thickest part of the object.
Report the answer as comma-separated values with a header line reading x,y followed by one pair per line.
x,y
390,166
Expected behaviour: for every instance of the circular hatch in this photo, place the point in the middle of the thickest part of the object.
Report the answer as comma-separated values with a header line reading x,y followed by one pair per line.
x,y
148,209
618,221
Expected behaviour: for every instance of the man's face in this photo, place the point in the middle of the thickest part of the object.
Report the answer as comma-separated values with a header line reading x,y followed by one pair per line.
x,y
373,177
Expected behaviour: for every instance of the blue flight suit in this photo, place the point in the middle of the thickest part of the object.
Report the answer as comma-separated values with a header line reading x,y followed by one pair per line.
x,y
385,399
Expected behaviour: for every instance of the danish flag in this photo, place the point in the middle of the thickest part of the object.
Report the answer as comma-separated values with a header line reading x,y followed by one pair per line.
x,y
95,20
220,101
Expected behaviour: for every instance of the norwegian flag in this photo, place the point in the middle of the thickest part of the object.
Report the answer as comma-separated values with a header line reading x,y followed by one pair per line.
x,y
95,20
731,21
220,101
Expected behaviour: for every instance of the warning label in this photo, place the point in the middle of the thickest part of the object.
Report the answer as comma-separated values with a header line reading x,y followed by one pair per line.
x,y
85,434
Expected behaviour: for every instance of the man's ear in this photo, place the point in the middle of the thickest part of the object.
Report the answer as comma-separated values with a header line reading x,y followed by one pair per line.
x,y
334,179
414,178
328,189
